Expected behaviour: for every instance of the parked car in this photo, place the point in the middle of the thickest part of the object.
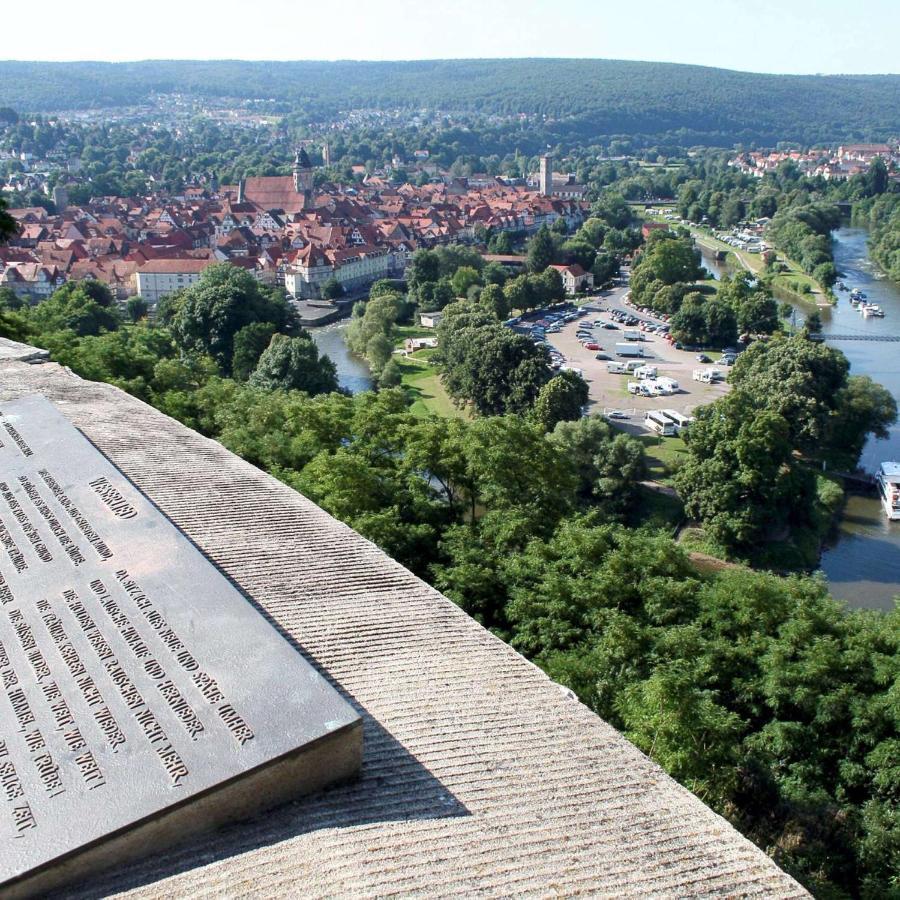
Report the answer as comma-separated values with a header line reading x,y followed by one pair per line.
x,y
611,326
702,357
591,345
617,414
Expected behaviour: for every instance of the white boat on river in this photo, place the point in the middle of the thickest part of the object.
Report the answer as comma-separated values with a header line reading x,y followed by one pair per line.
x,y
888,480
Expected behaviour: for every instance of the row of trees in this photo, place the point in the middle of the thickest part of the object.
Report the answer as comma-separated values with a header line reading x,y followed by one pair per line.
x,y
804,234
881,215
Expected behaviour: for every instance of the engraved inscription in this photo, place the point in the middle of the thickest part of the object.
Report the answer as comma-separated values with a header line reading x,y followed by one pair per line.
x,y
111,496
68,545
78,517
12,550
18,439
19,515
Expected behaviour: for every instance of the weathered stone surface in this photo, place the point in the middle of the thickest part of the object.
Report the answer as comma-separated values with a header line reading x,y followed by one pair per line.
x,y
135,677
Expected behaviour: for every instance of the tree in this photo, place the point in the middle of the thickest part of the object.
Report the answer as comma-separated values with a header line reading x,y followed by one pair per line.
x,y
137,308
464,278
8,226
669,259
606,266
758,315
294,364
613,210
541,250
740,477
721,322
207,316
391,375
487,365
500,244
862,407
561,399
797,378
371,333
249,344
813,323
494,273
877,178
493,298
85,308
332,289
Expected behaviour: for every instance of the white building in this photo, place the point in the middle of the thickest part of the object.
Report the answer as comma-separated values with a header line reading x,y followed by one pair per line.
x,y
159,277
574,278
354,268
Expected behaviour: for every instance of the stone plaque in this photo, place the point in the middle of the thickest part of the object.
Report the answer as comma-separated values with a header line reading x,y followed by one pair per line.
x,y
143,696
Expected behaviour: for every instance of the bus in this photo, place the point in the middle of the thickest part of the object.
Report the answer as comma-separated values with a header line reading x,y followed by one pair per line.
x,y
680,421
659,423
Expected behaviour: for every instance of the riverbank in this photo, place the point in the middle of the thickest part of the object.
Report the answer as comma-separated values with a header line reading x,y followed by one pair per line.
x,y
792,285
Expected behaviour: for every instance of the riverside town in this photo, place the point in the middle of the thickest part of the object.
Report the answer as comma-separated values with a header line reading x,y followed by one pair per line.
x,y
453,476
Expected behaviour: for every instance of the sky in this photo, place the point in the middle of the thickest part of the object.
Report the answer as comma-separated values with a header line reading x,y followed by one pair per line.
x,y
782,36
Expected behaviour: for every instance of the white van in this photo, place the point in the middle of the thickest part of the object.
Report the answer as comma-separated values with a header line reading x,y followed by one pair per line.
x,y
669,383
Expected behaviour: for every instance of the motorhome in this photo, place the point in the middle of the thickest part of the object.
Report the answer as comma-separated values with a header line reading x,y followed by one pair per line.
x,y
634,387
615,368
656,421
707,376
679,420
670,384
888,480
646,371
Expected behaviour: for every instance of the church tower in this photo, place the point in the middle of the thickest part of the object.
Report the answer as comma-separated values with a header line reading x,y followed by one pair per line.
x,y
326,155
303,172
546,175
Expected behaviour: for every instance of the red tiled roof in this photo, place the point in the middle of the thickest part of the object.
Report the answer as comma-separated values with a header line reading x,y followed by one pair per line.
x,y
274,192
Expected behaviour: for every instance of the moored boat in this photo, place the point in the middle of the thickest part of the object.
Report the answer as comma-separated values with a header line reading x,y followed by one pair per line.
x,y
888,481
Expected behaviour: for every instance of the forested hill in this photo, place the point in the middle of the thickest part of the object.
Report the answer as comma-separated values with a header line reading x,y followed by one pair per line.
x,y
588,98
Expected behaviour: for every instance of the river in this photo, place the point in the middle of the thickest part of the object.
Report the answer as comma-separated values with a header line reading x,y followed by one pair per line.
x,y
862,562
352,371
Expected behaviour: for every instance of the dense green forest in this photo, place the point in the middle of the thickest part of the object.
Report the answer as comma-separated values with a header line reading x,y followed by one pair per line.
x,y
579,99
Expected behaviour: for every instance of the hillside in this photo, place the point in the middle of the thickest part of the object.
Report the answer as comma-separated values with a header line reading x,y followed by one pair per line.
x,y
592,98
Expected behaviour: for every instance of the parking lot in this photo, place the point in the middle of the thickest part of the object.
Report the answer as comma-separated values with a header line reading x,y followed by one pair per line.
x,y
609,391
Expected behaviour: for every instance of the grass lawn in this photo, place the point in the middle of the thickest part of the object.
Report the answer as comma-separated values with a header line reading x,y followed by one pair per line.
x,y
663,455
423,384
